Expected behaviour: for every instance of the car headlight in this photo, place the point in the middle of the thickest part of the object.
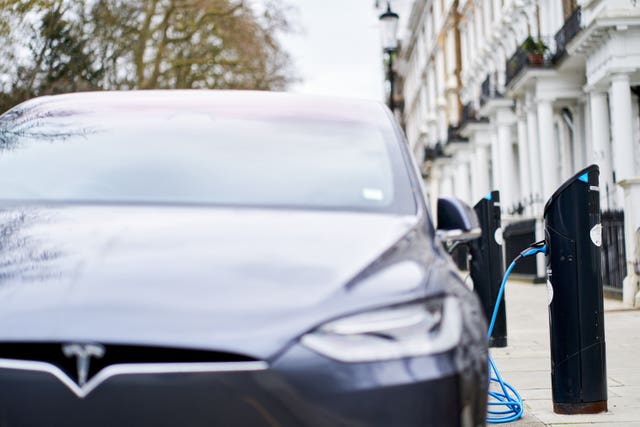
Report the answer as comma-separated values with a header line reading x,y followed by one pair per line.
x,y
417,329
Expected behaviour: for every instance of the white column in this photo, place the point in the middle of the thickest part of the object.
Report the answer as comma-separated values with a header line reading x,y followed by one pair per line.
x,y
497,13
600,142
535,167
495,163
545,18
631,186
624,168
474,172
548,154
433,130
588,134
464,46
452,107
523,160
506,165
435,176
579,136
621,126
442,122
469,41
462,181
564,144
479,33
481,179
446,180
558,15
533,24
486,9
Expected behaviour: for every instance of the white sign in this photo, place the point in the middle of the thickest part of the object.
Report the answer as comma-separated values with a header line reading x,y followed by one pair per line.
x,y
596,235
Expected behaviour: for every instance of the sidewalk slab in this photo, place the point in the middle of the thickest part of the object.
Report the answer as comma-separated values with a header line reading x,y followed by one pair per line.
x,y
525,362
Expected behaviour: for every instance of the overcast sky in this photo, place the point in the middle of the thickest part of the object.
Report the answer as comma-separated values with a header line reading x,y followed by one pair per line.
x,y
338,51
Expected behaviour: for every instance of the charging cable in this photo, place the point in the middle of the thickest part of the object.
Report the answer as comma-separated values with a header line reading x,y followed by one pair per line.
x,y
505,404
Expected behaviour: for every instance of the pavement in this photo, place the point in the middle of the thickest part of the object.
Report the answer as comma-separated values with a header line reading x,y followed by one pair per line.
x,y
525,362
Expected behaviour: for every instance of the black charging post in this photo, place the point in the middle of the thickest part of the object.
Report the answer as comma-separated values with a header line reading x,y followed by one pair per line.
x,y
576,316
487,267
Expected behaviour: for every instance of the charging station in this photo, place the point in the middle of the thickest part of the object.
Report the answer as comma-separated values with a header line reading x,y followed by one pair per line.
x,y
487,266
576,316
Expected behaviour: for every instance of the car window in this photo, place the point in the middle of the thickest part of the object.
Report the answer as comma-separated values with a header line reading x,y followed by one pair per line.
x,y
182,156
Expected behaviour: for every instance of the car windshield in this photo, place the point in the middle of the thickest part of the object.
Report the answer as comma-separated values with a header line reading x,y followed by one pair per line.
x,y
178,156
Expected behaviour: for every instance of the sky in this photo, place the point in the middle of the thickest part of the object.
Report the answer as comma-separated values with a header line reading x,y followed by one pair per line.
x,y
338,50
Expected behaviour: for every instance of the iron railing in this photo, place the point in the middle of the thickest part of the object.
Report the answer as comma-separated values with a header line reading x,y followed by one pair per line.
x,y
485,90
486,87
470,114
453,135
434,152
614,265
568,31
523,59
518,236
516,63
489,90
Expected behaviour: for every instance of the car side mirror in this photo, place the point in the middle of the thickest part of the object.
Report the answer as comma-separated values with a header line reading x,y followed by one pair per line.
x,y
457,222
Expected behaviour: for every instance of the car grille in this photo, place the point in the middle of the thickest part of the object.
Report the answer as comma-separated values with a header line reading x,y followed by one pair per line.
x,y
53,354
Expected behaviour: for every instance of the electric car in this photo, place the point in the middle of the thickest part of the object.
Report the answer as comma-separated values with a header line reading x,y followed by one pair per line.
x,y
227,258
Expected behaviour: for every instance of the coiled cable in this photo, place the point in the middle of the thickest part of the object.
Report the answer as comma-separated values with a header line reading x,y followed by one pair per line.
x,y
505,403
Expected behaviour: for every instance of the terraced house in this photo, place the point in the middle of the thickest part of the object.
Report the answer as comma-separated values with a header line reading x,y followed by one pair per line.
x,y
518,95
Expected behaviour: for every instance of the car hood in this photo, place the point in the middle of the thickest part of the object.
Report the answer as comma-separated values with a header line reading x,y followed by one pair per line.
x,y
239,280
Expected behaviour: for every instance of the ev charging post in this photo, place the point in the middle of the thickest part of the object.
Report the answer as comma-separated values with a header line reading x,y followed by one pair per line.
x,y
487,266
573,235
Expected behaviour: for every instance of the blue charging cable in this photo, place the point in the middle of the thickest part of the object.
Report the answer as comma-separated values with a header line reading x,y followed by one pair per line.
x,y
505,405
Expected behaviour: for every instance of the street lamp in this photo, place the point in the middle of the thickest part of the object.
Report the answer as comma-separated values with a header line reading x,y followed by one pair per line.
x,y
389,30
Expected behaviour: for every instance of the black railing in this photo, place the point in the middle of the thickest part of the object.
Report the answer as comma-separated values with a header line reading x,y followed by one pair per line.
x,y
516,64
517,236
434,152
486,86
488,90
522,59
485,93
614,261
469,114
453,135
568,31
521,205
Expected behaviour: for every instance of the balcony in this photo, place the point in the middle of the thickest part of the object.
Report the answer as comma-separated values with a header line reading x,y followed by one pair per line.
x,y
571,27
435,152
523,59
470,115
453,135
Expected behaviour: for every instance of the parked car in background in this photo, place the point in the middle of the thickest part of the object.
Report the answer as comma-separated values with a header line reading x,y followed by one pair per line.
x,y
226,258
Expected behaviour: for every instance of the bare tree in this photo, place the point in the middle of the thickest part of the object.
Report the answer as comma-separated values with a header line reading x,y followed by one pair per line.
x,y
142,44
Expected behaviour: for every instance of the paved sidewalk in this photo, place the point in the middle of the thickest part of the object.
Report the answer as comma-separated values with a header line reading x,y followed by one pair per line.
x,y
525,363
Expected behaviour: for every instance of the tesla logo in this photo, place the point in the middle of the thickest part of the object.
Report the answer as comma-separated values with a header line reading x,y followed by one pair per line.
x,y
83,354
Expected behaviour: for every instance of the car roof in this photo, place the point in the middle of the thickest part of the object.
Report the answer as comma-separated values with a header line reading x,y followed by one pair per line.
x,y
231,102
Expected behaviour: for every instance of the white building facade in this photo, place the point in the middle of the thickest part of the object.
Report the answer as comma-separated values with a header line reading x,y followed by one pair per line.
x,y
519,95
431,71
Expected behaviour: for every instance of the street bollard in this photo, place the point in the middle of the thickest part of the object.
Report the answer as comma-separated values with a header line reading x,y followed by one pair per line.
x,y
576,316
487,266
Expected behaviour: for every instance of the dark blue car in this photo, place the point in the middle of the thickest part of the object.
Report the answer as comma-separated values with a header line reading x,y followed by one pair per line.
x,y
209,258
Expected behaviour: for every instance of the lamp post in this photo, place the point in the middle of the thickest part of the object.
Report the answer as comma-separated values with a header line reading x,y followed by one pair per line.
x,y
389,29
